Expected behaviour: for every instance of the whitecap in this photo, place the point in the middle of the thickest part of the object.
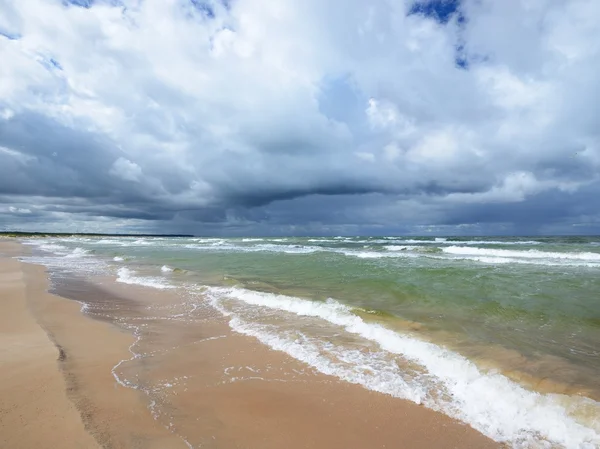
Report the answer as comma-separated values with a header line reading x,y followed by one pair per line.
x,y
127,276
489,402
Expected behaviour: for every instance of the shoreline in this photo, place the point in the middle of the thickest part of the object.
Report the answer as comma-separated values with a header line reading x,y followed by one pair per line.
x,y
82,353
236,391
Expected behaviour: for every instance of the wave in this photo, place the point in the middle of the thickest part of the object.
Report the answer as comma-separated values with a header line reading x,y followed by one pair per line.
x,y
416,248
118,259
267,247
207,240
127,276
492,242
110,242
289,249
365,254
450,241
483,255
78,252
525,254
410,241
508,260
50,247
60,250
323,240
377,254
166,269
60,256
489,402
436,241
148,242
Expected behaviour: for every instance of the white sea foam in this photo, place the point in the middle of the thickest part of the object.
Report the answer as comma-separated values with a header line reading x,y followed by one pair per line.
x,y
166,269
376,254
464,242
483,255
115,242
118,259
266,247
364,254
402,247
127,276
524,254
146,242
489,402
289,249
60,256
492,242
523,261
52,248
323,241
252,240
77,252
371,370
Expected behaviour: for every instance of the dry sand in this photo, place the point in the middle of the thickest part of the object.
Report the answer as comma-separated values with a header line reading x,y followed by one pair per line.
x,y
196,382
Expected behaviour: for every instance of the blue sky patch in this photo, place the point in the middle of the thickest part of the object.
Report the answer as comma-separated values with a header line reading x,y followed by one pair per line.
x,y
81,3
55,64
204,7
440,10
461,57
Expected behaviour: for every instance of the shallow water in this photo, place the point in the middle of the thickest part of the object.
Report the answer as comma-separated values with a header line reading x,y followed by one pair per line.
x,y
502,333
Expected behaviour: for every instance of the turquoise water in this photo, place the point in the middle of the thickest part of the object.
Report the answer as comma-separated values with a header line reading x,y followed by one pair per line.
x,y
441,321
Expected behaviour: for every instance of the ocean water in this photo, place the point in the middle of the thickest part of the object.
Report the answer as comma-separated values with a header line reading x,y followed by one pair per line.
x,y
500,333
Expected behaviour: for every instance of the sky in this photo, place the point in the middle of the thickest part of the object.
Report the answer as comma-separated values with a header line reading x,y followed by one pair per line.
x,y
300,117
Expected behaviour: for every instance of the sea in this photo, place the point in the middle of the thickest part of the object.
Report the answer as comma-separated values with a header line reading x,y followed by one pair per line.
x,y
501,333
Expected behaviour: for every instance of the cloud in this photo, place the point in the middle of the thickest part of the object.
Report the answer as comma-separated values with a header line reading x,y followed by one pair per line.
x,y
304,117
125,169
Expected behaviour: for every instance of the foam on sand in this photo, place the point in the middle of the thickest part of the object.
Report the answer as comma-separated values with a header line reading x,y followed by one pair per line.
x,y
490,402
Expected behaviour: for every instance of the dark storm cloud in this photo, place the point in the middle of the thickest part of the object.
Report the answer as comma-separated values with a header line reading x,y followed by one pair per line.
x,y
51,159
535,212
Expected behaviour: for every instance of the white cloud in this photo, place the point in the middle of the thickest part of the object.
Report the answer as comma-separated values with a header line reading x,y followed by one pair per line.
x,y
243,108
18,210
367,157
127,170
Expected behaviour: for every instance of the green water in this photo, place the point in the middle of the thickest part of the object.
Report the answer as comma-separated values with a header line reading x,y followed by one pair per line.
x,y
536,296
528,308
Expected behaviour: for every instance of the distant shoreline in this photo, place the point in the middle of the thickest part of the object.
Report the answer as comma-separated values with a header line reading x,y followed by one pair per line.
x,y
86,234
447,236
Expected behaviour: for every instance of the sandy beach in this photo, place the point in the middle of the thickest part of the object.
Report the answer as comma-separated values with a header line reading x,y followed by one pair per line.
x,y
74,379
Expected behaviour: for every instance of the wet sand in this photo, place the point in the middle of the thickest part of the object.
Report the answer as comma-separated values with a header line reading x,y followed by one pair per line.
x,y
181,378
